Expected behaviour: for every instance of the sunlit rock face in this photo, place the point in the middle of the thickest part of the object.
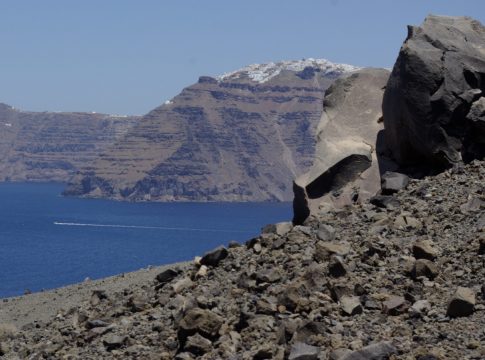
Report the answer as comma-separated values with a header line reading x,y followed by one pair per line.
x,y
242,136
347,163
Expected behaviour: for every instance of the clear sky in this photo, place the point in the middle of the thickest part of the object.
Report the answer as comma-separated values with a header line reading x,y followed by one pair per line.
x,y
128,56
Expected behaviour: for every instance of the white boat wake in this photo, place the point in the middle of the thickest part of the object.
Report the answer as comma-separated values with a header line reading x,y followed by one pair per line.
x,y
145,227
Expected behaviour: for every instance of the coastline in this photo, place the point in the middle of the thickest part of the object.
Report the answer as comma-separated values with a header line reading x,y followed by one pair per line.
x,y
42,307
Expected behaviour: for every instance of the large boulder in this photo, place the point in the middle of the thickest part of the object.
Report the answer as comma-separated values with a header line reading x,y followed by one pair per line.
x,y
345,155
434,110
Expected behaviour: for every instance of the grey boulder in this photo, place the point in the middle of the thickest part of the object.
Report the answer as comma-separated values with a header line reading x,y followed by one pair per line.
x,y
214,257
433,105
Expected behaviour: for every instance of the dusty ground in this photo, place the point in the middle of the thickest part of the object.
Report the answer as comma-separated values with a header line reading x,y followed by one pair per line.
x,y
43,306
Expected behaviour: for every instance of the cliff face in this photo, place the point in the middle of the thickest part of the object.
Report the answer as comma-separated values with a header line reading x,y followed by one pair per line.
x,y
240,137
46,146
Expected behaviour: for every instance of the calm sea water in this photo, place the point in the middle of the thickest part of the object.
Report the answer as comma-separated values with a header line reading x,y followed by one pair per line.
x,y
47,241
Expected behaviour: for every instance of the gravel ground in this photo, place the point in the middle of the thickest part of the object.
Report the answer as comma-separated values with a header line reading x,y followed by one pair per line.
x,y
43,306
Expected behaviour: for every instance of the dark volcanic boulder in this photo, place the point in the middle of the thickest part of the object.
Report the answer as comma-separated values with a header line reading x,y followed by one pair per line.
x,y
345,156
433,104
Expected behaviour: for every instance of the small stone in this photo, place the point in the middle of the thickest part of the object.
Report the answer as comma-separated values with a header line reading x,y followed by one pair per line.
x,y
481,248
96,323
201,321
326,232
481,224
350,305
233,244
385,201
340,353
266,307
198,345
214,257
472,205
323,250
302,351
372,305
336,267
356,344
264,353
167,276
424,249
202,272
424,267
97,296
183,356
396,305
420,308
462,303
268,275
182,284
359,290
137,303
280,229
392,182
307,230
114,342
339,290
257,248
278,243
378,351
98,331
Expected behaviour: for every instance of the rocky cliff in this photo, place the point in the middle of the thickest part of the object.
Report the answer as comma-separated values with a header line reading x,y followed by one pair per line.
x,y
396,277
50,146
240,137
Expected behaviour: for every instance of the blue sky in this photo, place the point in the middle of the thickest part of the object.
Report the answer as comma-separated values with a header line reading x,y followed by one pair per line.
x,y
127,57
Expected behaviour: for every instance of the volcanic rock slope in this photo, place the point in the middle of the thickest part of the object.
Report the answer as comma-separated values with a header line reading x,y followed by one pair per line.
x,y
50,146
366,282
242,136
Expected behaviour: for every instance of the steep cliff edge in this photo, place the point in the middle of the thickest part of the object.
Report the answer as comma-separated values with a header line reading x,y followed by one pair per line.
x,y
50,146
240,137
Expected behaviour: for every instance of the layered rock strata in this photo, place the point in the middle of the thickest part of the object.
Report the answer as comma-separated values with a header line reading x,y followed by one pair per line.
x,y
241,137
49,146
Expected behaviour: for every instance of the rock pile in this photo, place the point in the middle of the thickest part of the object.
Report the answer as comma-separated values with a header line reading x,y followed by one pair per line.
x,y
368,282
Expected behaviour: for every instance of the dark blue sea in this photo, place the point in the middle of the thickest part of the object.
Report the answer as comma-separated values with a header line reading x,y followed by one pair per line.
x,y
48,241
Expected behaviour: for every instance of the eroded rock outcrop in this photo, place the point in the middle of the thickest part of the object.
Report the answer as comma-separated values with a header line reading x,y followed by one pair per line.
x,y
346,151
433,104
